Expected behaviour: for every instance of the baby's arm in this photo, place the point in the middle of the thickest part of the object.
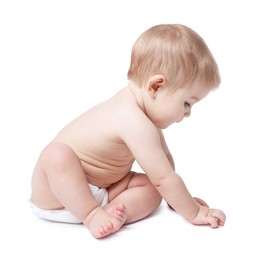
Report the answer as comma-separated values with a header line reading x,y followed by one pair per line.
x,y
165,149
145,143
212,217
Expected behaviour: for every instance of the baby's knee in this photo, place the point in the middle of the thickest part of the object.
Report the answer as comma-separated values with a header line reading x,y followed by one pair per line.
x,y
140,179
153,192
57,153
143,180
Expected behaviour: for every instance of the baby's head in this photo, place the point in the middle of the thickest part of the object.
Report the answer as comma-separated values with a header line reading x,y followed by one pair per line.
x,y
176,52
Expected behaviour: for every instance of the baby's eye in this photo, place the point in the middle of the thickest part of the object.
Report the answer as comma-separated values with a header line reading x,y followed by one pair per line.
x,y
187,104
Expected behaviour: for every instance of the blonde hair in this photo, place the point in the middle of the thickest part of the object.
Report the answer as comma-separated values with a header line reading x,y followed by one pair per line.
x,y
175,51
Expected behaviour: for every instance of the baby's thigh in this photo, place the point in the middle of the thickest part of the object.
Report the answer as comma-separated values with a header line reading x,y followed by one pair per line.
x,y
51,158
42,196
131,180
139,179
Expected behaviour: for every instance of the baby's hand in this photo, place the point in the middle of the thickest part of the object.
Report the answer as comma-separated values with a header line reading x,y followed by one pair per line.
x,y
212,217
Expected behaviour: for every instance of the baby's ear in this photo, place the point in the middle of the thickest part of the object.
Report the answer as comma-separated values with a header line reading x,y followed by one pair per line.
x,y
155,83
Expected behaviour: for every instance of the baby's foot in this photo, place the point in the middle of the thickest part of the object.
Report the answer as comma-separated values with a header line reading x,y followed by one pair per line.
x,y
102,222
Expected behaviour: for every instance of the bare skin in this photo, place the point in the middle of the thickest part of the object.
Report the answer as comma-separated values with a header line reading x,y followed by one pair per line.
x,y
100,146
104,222
59,181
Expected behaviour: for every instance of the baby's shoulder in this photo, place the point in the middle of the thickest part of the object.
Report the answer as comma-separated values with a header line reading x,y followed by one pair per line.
x,y
130,113
133,122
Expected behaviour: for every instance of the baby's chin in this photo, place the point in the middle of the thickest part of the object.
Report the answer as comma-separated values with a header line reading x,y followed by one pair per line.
x,y
180,120
163,126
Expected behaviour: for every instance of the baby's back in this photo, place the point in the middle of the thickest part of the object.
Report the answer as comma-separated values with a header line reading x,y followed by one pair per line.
x,y
94,136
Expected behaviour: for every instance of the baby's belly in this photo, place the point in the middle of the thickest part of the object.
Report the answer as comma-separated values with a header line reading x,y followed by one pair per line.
x,y
103,174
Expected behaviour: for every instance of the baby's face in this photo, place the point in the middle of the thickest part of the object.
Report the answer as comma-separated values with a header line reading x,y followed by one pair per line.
x,y
170,107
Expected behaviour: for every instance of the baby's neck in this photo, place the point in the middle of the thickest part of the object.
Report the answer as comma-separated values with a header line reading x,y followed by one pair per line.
x,y
136,92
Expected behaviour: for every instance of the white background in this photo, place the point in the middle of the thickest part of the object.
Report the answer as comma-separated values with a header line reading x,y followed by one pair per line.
x,y
59,58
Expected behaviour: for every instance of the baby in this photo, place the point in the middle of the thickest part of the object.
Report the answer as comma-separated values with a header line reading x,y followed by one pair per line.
x,y
84,175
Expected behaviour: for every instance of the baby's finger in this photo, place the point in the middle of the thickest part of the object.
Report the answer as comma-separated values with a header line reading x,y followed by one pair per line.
x,y
219,215
213,222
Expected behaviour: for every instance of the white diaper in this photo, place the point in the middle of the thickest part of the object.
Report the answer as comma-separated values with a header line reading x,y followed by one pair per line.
x,y
63,215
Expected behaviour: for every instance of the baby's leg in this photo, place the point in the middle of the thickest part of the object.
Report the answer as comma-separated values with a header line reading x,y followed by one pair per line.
x,y
59,182
138,195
